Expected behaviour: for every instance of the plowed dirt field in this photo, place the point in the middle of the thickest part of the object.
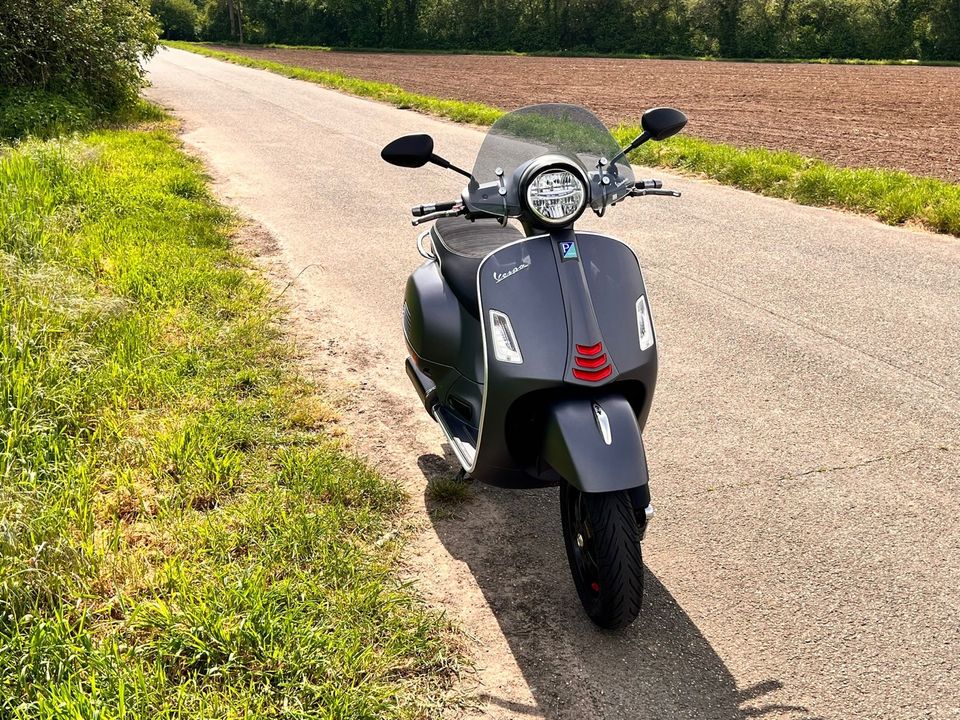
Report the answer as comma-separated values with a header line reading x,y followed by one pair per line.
x,y
898,117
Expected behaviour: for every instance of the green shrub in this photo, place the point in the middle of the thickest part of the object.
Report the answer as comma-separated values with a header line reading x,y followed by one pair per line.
x,y
77,48
179,19
40,113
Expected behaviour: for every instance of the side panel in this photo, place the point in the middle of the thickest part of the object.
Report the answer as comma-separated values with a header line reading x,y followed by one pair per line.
x,y
520,280
444,344
429,303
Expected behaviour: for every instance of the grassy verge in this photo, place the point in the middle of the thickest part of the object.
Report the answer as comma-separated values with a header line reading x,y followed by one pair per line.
x,y
178,537
43,114
891,196
589,54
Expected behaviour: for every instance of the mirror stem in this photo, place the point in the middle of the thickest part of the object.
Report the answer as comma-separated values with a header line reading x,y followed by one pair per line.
x,y
437,160
640,140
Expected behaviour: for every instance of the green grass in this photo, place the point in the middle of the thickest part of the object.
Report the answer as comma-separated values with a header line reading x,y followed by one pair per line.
x,y
589,54
447,496
449,491
177,537
475,113
39,113
891,196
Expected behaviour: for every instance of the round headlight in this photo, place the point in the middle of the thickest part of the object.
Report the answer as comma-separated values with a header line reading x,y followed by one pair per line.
x,y
556,196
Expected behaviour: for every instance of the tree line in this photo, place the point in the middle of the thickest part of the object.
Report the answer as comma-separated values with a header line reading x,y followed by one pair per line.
x,y
870,29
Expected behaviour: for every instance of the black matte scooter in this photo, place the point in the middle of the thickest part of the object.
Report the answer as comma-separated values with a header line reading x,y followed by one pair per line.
x,y
535,350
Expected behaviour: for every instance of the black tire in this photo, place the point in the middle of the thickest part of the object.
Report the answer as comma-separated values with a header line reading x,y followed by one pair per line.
x,y
603,547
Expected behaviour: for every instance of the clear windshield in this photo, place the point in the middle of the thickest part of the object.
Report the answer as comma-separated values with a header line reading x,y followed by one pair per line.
x,y
537,130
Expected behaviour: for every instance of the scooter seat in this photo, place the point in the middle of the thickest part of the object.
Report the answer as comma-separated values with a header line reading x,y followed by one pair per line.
x,y
461,245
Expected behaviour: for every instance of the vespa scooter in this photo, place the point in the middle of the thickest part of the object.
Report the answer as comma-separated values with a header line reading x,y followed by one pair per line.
x,y
534,347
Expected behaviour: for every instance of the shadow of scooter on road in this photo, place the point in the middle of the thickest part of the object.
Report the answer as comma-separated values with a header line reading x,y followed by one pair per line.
x,y
660,668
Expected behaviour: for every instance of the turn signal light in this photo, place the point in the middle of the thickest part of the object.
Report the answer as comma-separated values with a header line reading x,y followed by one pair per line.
x,y
505,346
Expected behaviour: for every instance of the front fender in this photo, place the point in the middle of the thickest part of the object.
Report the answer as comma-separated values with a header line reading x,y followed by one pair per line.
x,y
574,444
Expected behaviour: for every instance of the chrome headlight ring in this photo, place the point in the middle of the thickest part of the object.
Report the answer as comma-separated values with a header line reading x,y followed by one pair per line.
x,y
555,191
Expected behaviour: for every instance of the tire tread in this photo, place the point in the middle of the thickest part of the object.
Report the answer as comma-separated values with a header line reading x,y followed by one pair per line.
x,y
617,542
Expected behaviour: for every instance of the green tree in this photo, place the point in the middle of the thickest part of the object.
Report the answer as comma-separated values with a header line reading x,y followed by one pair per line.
x,y
731,28
662,27
938,30
179,19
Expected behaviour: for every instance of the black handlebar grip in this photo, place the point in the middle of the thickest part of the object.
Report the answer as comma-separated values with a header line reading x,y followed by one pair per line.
x,y
421,210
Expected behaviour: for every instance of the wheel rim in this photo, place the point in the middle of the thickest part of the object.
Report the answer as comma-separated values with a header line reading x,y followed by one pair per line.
x,y
586,566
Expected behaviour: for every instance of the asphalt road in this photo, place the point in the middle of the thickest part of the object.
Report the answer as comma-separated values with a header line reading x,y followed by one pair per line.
x,y
804,442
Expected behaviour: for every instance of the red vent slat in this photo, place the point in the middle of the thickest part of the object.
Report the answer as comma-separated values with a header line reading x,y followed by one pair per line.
x,y
592,375
589,350
595,363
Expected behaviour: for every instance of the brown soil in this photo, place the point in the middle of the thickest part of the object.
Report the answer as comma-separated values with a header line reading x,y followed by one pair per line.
x,y
902,117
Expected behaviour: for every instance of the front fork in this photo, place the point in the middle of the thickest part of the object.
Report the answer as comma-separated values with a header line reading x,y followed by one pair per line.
x,y
642,507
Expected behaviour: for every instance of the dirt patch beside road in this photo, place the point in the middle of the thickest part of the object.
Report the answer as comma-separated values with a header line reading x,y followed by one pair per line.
x,y
900,117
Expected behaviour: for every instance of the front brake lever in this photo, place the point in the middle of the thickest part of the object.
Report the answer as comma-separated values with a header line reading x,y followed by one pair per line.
x,y
437,215
666,193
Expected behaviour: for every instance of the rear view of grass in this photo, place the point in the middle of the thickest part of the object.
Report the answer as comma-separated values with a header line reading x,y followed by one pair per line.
x,y
177,538
892,196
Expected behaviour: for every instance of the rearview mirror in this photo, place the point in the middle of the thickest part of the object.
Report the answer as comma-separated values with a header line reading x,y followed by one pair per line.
x,y
663,122
410,151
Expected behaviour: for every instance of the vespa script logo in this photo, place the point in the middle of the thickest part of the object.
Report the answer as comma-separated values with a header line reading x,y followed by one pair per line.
x,y
500,277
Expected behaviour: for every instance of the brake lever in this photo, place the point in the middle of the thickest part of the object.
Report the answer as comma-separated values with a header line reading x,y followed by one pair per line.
x,y
437,215
666,193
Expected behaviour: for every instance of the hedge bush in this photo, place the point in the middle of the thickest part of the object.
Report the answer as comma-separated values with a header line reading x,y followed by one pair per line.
x,y
89,51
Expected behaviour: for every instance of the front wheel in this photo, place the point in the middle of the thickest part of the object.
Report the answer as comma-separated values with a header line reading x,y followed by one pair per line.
x,y
603,547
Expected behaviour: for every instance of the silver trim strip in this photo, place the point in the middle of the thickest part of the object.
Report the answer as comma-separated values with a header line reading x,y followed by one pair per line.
x,y
466,455
603,423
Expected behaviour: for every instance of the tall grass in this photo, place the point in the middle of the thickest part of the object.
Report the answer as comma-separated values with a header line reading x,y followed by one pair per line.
x,y
178,537
892,196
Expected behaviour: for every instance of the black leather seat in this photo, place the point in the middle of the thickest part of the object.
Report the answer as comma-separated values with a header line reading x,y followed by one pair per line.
x,y
460,245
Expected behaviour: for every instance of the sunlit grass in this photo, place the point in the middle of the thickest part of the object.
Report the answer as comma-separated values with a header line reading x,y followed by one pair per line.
x,y
592,54
891,196
455,110
177,538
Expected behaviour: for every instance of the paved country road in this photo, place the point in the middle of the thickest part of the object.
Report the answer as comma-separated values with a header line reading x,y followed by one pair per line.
x,y
804,442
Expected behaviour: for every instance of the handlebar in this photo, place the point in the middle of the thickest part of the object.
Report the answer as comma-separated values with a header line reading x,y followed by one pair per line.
x,y
421,210
434,211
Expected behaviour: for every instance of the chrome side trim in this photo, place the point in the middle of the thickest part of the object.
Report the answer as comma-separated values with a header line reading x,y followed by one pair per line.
x,y
466,454
603,423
